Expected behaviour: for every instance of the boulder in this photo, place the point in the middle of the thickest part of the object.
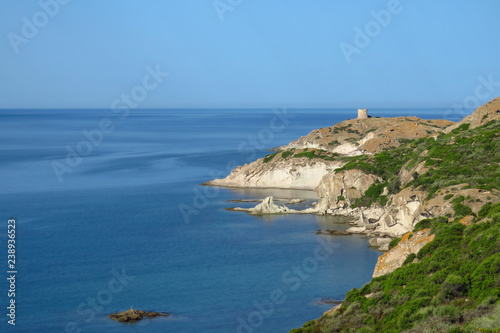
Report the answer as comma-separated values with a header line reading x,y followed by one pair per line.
x,y
380,242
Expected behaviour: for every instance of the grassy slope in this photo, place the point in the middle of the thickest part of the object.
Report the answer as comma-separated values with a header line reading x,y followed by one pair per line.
x,y
455,284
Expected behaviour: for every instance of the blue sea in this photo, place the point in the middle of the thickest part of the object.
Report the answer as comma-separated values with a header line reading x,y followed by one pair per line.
x,y
110,214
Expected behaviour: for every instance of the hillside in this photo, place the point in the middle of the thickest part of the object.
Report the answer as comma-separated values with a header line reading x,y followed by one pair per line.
x,y
451,285
446,186
435,184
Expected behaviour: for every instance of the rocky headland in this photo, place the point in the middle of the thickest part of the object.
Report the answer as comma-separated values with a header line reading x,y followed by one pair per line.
x,y
318,162
417,188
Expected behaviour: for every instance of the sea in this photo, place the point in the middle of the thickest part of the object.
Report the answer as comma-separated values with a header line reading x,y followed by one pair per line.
x,y
110,214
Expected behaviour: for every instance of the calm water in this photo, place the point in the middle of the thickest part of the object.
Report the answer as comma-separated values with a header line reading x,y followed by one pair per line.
x,y
129,225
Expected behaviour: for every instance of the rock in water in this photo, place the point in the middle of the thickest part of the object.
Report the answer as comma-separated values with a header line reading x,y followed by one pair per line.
x,y
269,207
132,315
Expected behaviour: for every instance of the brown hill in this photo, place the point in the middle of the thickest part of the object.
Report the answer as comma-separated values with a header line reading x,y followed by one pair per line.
x,y
372,135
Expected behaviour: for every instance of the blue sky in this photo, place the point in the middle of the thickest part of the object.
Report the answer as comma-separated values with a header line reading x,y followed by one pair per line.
x,y
248,53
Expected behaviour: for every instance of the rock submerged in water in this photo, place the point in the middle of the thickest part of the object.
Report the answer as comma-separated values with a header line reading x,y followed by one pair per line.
x,y
266,207
132,315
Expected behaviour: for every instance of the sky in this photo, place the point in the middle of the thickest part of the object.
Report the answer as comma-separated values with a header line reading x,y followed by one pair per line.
x,y
248,53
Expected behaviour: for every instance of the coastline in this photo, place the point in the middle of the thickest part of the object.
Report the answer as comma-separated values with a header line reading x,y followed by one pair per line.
x,y
382,203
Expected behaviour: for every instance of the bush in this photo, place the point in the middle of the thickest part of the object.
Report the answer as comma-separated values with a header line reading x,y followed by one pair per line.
x,y
409,259
269,157
424,224
461,209
448,196
393,243
452,287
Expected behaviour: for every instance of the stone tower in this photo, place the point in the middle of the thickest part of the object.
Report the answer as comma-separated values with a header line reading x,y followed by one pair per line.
x,y
362,114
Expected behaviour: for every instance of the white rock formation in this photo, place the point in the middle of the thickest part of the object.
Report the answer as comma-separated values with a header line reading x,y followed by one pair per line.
x,y
292,173
340,190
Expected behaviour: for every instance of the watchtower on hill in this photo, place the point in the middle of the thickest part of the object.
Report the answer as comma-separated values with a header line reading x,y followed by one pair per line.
x,y
362,114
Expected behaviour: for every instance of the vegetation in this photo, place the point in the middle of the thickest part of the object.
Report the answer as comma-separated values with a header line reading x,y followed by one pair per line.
x,y
269,157
317,153
463,156
453,285
287,153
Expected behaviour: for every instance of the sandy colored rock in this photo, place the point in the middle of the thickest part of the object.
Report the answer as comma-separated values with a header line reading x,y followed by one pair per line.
x,y
467,221
390,261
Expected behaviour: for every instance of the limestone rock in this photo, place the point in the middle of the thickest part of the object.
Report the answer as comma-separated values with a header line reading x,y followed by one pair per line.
x,y
356,230
390,261
380,242
337,190
267,206
290,173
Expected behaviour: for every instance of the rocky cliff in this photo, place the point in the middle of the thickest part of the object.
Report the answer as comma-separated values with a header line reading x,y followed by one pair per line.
x,y
279,172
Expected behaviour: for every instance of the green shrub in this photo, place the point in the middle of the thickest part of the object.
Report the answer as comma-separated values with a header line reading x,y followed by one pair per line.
x,y
424,224
453,287
394,242
269,157
409,259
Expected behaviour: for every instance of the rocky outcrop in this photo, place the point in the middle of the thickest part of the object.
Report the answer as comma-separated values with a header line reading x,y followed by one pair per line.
x,y
406,210
268,207
340,190
410,243
291,173
382,243
467,221
132,315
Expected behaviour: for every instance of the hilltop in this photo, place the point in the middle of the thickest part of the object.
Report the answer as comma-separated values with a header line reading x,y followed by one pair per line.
x,y
368,136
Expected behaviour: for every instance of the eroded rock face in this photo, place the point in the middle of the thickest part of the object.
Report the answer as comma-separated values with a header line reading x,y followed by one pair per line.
x,y
410,243
340,190
269,207
291,173
406,210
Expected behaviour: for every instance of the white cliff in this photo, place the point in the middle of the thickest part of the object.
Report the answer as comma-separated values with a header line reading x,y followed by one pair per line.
x,y
290,173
